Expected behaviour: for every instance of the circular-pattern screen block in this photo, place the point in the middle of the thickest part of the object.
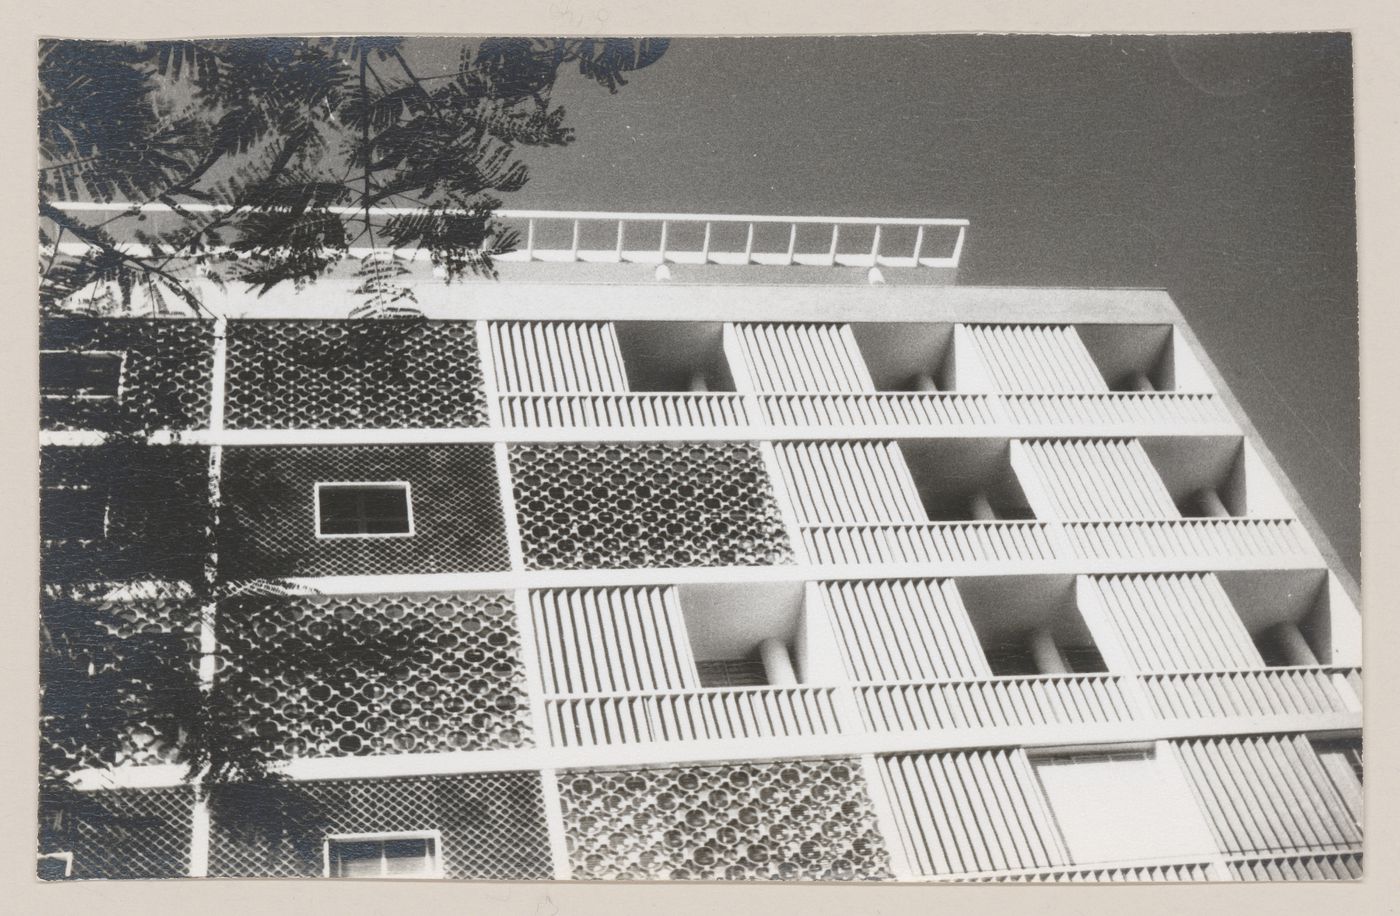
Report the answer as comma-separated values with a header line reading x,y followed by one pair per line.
x,y
779,820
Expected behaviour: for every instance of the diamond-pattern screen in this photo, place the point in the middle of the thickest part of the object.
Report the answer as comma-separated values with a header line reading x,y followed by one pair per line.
x,y
376,674
788,820
492,824
347,374
133,833
166,368
653,504
270,522
123,511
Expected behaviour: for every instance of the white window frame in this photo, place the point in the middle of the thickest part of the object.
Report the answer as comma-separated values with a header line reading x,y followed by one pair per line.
x,y
1068,755
435,871
121,376
66,857
405,485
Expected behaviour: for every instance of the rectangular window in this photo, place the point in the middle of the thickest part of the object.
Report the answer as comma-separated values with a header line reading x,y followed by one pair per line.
x,y
399,855
369,509
72,513
1122,806
55,866
70,374
731,672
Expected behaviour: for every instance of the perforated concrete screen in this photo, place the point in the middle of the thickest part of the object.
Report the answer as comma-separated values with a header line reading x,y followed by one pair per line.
x,y
353,374
271,525
141,513
782,819
491,824
376,674
635,505
137,659
132,833
163,373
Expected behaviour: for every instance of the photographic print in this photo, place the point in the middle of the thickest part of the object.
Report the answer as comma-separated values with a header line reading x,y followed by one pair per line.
x,y
922,458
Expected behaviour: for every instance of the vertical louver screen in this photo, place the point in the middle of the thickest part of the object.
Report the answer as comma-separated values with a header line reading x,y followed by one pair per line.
x,y
803,357
971,811
909,630
849,482
557,356
1036,359
1298,868
1166,623
1098,479
1269,794
612,640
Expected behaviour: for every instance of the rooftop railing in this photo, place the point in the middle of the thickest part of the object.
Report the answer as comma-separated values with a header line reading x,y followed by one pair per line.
x,y
599,236
712,238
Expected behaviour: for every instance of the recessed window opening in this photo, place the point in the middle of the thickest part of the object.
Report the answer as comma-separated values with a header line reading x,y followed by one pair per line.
x,y
1137,358
1285,613
915,357
392,855
70,374
966,480
1011,658
732,672
78,513
367,509
747,636
674,356
1120,804
1083,659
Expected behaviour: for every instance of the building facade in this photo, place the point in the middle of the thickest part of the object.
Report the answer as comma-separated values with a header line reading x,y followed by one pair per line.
x,y
771,553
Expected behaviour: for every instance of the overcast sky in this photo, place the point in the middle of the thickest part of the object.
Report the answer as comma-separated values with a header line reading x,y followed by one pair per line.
x,y
1217,168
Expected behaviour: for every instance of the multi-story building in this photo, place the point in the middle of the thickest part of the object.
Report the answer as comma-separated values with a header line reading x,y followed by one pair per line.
x,y
727,547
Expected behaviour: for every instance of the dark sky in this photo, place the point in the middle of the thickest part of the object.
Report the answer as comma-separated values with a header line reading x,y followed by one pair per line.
x,y
1217,168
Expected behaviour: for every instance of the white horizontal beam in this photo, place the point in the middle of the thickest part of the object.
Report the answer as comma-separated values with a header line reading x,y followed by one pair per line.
x,y
603,215
557,434
788,573
685,752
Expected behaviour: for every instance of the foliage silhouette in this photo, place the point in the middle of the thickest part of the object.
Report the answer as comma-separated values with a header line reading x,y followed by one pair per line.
x,y
287,146
293,141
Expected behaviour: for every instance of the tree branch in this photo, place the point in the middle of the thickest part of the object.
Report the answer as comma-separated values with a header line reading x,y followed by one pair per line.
x,y
99,240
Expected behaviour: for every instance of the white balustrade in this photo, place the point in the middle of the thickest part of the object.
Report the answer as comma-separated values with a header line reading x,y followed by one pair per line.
x,y
1001,702
634,410
700,715
932,542
1192,538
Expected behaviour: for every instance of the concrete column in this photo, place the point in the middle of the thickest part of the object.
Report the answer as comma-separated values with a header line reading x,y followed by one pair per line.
x,y
1141,382
1295,648
777,663
924,382
698,382
981,507
1211,504
1047,655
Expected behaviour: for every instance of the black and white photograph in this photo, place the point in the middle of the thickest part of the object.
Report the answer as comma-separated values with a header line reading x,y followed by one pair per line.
x,y
919,458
